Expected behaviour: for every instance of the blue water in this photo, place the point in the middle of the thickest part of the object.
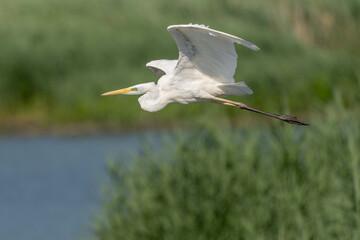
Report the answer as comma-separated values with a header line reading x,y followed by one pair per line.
x,y
50,187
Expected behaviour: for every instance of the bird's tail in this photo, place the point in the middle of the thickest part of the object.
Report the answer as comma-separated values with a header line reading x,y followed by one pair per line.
x,y
239,88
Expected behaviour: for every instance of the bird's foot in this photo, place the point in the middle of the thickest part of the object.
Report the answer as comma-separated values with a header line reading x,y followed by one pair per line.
x,y
292,120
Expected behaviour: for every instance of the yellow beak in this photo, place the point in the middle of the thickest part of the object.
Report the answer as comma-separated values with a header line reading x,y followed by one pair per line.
x,y
120,91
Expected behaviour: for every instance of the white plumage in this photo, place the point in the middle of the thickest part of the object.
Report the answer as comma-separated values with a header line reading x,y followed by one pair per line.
x,y
203,72
162,67
209,51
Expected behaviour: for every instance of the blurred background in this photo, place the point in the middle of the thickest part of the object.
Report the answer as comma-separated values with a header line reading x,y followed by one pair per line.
x,y
57,133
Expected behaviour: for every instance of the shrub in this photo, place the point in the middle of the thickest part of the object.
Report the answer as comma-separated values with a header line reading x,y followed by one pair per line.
x,y
211,183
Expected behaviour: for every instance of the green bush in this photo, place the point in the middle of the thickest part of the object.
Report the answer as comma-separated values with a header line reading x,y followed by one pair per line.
x,y
216,183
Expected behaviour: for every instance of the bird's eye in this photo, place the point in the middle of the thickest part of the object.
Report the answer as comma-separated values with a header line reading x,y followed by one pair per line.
x,y
134,89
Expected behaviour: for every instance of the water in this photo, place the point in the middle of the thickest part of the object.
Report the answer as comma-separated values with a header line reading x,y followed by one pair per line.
x,y
50,187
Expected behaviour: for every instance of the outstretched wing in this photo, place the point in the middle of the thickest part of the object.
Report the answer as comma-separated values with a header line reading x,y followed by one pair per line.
x,y
209,51
162,67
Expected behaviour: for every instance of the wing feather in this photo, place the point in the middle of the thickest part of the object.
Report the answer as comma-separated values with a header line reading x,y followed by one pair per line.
x,y
209,51
162,67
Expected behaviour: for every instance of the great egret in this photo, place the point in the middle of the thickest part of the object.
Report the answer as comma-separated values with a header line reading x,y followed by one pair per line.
x,y
203,73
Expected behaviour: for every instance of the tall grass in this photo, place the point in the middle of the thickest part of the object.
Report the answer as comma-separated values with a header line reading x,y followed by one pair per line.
x,y
219,183
58,56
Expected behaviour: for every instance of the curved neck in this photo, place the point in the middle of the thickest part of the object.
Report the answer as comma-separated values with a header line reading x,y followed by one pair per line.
x,y
152,101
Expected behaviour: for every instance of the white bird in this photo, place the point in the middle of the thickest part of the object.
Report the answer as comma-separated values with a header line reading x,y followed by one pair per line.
x,y
203,73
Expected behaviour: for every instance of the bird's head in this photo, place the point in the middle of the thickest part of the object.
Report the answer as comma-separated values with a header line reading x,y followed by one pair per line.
x,y
134,90
149,101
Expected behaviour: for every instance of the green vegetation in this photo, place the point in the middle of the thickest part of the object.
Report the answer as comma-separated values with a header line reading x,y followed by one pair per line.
x,y
217,183
57,57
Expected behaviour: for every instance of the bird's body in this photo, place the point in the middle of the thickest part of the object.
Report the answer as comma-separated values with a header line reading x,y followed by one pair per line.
x,y
198,88
203,72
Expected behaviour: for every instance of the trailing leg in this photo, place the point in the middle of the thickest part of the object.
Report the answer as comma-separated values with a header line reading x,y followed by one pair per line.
x,y
285,118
